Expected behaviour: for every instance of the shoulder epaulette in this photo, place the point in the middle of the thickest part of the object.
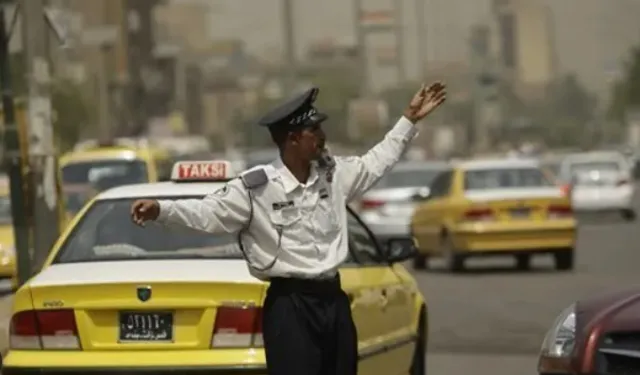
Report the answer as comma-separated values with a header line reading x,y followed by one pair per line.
x,y
255,178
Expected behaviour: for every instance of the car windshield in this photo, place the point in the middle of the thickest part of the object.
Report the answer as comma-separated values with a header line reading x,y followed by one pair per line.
x,y
594,166
5,210
407,178
106,233
114,171
505,178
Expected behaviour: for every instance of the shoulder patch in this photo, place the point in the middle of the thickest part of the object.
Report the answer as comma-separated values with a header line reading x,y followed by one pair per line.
x,y
254,178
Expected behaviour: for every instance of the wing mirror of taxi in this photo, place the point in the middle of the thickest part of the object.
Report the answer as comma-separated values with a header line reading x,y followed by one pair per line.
x,y
422,194
400,249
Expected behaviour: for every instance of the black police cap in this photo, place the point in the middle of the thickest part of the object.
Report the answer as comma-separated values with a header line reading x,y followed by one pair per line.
x,y
296,113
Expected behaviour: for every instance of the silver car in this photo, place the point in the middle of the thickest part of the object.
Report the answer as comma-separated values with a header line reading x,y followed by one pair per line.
x,y
387,208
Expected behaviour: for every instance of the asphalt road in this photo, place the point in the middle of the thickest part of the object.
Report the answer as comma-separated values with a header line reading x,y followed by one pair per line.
x,y
492,319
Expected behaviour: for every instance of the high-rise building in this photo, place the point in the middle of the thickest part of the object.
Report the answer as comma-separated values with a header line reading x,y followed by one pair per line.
x,y
525,43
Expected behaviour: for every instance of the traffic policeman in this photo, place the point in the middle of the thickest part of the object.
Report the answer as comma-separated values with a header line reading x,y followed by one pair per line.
x,y
290,217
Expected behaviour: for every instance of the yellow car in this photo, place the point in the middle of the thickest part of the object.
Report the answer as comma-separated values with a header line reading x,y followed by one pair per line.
x,y
493,208
114,297
94,167
7,249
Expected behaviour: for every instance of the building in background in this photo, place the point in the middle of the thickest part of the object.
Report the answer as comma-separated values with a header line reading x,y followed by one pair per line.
x,y
523,33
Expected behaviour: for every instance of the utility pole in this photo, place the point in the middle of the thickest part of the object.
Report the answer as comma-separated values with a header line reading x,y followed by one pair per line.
x,y
42,154
361,40
399,31
289,46
14,163
421,27
104,115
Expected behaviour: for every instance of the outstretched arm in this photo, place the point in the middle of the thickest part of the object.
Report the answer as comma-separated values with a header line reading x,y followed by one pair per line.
x,y
225,211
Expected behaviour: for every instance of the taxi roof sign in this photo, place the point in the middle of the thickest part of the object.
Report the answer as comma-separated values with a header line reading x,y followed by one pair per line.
x,y
202,171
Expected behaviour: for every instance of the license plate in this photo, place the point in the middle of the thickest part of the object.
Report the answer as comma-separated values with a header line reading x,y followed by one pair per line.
x,y
146,326
520,212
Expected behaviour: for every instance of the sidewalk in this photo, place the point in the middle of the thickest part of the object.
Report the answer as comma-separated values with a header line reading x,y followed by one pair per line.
x,y
6,303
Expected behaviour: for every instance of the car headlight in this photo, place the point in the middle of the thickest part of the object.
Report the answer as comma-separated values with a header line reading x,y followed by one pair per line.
x,y
559,341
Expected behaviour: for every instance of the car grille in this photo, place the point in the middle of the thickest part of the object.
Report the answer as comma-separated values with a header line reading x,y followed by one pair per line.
x,y
618,354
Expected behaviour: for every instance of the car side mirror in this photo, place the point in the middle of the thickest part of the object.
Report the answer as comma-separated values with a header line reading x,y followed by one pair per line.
x,y
400,249
422,195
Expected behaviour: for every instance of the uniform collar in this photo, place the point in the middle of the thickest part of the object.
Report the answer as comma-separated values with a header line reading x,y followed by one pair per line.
x,y
289,181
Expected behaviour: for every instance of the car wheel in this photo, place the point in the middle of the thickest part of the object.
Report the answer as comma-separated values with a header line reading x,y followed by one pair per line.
x,y
420,262
523,262
454,262
564,259
628,214
419,363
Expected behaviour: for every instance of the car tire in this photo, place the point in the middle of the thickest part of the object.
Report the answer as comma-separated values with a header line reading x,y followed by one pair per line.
x,y
454,262
628,214
523,262
419,361
564,260
420,262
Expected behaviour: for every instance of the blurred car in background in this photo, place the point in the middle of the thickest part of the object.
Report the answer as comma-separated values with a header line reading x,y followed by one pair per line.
x,y
388,206
501,207
7,248
596,335
600,182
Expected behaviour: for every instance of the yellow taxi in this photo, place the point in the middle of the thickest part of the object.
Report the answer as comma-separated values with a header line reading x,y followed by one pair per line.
x,y
93,167
7,249
114,297
494,207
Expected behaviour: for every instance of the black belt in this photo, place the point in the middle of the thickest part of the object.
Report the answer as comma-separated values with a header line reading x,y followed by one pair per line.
x,y
314,286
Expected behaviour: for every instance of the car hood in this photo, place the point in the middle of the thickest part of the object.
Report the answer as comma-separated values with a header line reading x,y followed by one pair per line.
x,y
611,312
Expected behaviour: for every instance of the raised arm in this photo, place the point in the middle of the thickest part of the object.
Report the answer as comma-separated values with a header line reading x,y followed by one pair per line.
x,y
358,174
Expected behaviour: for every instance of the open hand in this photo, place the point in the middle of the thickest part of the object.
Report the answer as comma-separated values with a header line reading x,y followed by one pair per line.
x,y
144,210
425,101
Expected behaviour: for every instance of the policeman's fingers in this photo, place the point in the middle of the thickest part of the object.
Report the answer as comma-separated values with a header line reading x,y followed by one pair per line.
x,y
418,98
432,103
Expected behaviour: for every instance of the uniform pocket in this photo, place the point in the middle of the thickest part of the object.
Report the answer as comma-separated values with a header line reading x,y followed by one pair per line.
x,y
326,217
287,222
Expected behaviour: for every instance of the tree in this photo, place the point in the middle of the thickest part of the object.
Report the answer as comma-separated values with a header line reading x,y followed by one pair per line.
x,y
626,91
563,115
71,110
72,113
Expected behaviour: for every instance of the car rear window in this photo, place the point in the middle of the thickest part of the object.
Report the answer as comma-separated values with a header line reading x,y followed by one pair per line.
x,y
595,166
407,178
105,232
501,178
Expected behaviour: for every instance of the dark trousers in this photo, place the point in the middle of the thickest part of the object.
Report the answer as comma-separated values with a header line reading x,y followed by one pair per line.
x,y
308,328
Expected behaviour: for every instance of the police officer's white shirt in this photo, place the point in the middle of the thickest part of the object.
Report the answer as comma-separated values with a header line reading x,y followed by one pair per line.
x,y
302,224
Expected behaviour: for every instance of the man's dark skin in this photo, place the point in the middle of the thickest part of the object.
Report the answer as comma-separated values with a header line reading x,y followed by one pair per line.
x,y
304,146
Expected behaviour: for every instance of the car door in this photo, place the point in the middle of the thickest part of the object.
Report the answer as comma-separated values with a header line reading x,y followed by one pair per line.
x,y
431,211
380,305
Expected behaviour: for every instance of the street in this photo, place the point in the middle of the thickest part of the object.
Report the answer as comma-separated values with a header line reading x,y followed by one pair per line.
x,y
491,320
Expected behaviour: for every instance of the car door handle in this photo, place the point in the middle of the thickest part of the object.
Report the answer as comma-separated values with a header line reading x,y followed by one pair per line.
x,y
383,300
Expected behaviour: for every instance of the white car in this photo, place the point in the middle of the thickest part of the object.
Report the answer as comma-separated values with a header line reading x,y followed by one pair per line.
x,y
599,182
387,208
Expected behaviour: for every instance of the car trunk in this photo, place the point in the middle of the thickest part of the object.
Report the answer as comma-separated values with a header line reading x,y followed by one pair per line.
x,y
533,204
399,201
149,304
598,184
